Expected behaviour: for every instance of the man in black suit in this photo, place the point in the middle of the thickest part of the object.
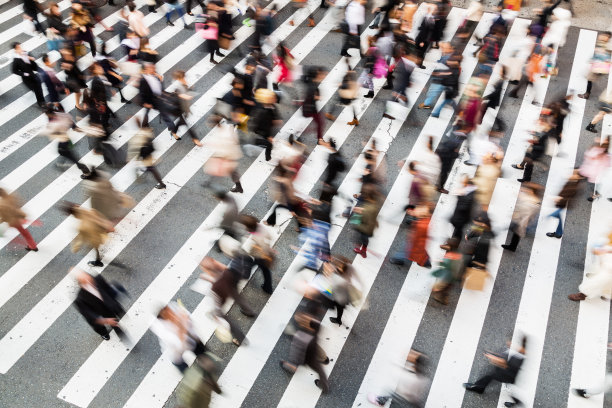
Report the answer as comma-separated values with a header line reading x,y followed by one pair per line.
x,y
151,88
27,69
55,87
97,302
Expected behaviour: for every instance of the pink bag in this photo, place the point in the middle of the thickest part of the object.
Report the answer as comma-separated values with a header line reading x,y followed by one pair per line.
x,y
380,68
209,30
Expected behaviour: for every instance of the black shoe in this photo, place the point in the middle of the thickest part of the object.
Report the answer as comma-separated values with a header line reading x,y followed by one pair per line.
x,y
213,61
591,128
516,166
553,235
160,186
509,404
170,23
396,261
344,54
508,247
370,94
85,176
467,163
237,189
326,361
473,388
126,101
521,180
267,290
32,249
152,9
105,337
189,13
388,86
581,392
247,313
513,95
373,27
218,53
335,320
187,27
95,263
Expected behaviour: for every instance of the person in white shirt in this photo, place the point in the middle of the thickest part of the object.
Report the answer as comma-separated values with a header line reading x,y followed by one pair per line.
x,y
355,17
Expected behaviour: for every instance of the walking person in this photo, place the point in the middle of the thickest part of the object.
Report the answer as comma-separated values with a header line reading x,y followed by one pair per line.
x,y
595,164
462,214
97,302
93,230
31,8
55,87
354,16
266,120
312,79
13,215
258,246
141,147
25,66
75,80
365,218
185,98
563,201
151,88
347,94
505,366
526,209
199,382
57,129
597,283
174,5
605,108
226,153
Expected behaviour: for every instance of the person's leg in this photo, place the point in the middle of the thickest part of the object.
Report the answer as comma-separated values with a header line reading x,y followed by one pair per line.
x,y
157,176
433,93
514,241
28,237
267,275
271,220
65,151
262,141
241,302
236,179
445,169
528,171
100,329
318,119
318,368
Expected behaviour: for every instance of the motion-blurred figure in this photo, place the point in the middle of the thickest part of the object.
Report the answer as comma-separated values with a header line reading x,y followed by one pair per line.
x,y
97,302
199,382
505,366
412,386
13,215
93,230
598,282
174,329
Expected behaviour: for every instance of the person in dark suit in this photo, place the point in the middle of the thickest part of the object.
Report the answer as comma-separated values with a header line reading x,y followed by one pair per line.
x,y
99,95
97,302
25,66
151,88
505,368
55,87
463,209
31,8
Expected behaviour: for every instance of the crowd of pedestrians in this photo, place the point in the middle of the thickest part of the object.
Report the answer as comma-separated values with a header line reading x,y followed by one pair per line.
x,y
247,119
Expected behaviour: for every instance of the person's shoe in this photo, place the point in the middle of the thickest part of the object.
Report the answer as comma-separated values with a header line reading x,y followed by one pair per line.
x,y
360,251
442,191
212,60
326,361
387,86
175,136
330,116
467,163
237,188
311,22
513,95
197,142
247,313
445,247
591,128
516,166
423,106
577,297
85,176
125,101
219,54
267,290
344,54
335,320
510,404
553,235
396,261
160,186
189,13
581,392
32,249
375,400
584,95
353,122
291,22
370,94
187,27
440,298
473,388
435,116
170,23
105,337
95,263
508,247
522,180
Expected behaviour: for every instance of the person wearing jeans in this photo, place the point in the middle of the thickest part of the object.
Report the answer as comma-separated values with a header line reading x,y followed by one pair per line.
x,y
174,5
565,195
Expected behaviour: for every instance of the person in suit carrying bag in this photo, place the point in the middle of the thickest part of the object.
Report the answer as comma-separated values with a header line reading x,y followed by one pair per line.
x,y
26,67
97,302
151,88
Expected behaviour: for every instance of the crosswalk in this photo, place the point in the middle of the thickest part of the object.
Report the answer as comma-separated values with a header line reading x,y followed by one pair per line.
x,y
156,247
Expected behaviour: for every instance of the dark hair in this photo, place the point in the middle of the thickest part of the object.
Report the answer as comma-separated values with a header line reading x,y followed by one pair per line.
x,y
221,195
68,207
131,6
249,222
15,44
332,144
412,166
45,58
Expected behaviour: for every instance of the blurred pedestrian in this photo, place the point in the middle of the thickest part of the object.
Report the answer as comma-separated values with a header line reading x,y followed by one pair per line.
x,y
93,230
25,66
13,215
526,209
563,201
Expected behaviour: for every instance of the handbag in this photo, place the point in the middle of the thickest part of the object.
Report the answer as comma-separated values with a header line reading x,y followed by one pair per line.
x,y
475,278
224,42
208,29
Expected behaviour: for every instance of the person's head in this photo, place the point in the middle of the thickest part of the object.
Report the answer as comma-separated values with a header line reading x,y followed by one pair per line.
x,y
249,222
69,208
412,167
96,69
149,68
131,6
84,279
3,193
54,9
144,43
178,75
17,47
47,61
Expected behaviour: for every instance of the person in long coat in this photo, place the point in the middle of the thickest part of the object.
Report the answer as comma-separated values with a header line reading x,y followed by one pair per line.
x,y
463,209
597,283
526,209
486,179
104,198
97,302
420,236
13,215
92,231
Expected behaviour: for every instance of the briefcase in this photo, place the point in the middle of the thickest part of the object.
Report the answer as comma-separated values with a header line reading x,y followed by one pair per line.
x,y
475,279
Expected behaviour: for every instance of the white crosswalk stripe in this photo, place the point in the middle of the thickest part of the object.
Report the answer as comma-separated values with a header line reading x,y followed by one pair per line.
x,y
245,371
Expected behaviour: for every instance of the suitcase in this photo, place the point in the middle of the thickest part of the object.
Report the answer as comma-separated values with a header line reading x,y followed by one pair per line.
x,y
113,157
